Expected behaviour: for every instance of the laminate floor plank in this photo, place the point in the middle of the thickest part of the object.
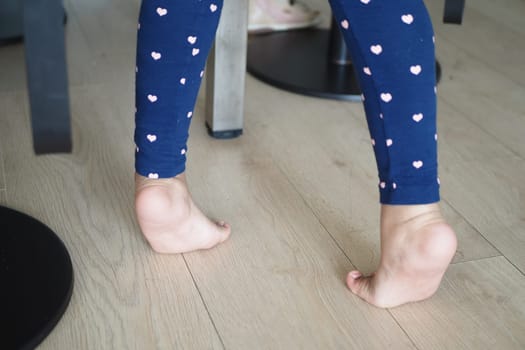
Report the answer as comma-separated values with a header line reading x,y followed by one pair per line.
x,y
92,56
480,305
125,296
486,40
493,103
462,139
2,172
490,195
508,13
12,72
106,22
328,157
477,88
280,276
90,59
300,190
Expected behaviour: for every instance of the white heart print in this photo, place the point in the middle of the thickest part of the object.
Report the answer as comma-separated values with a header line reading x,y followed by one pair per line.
x,y
192,39
156,55
367,71
195,52
382,184
408,19
189,114
417,117
344,24
202,73
365,1
415,69
417,164
183,151
153,175
182,81
376,49
151,138
162,12
387,97
389,142
152,98
213,7
373,142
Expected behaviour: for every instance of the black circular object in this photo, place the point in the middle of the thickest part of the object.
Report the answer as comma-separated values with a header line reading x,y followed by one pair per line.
x,y
311,61
36,277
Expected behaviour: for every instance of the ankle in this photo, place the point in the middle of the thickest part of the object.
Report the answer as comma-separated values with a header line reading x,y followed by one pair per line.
x,y
393,216
423,224
154,197
142,181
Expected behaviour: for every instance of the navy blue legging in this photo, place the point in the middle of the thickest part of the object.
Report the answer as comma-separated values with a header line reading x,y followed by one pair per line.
x,y
392,47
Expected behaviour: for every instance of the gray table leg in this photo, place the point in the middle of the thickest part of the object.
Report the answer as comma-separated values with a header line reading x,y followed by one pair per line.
x,y
226,71
11,27
47,75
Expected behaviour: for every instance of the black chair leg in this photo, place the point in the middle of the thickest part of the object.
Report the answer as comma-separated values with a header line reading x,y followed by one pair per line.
x,y
47,75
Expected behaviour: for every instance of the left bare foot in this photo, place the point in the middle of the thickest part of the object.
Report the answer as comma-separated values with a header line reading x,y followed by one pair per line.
x,y
169,219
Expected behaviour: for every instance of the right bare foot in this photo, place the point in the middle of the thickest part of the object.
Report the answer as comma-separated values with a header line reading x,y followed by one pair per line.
x,y
417,246
169,219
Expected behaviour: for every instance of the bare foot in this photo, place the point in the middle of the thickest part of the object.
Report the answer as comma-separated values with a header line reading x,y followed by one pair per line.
x,y
169,219
417,246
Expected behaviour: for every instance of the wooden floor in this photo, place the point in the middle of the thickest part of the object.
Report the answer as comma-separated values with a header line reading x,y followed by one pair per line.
x,y
299,188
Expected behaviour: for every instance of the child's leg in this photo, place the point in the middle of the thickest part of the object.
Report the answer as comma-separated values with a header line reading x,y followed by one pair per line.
x,y
174,38
392,46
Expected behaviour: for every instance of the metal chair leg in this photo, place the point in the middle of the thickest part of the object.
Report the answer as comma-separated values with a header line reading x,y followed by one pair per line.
x,y
47,75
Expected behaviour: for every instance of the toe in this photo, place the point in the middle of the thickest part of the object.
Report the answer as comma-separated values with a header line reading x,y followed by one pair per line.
x,y
355,281
360,285
224,229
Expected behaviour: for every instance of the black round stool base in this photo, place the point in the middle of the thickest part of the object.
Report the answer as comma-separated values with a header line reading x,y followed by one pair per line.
x,y
37,280
299,61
